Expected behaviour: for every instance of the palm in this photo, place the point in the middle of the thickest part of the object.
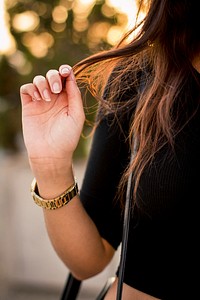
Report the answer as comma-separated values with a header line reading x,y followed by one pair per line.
x,y
51,128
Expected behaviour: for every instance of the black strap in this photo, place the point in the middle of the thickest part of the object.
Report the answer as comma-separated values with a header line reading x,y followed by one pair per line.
x,y
71,289
125,234
105,289
129,201
73,285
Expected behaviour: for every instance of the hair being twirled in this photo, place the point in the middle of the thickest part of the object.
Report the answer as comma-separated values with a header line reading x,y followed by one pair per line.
x,y
165,45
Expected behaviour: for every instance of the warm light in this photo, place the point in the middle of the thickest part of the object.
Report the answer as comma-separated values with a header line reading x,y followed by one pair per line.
x,y
7,42
80,24
20,63
86,2
60,14
26,21
58,27
114,35
82,7
123,10
38,44
130,19
97,33
127,7
81,10
108,11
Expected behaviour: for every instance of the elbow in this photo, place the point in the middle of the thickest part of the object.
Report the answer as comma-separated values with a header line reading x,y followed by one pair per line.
x,y
87,269
90,268
83,274
87,266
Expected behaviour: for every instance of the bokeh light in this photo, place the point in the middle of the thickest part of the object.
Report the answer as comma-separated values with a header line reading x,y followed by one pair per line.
x,y
60,14
39,44
7,42
19,61
127,7
26,21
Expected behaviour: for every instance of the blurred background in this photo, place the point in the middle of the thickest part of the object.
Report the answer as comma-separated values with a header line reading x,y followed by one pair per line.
x,y
34,37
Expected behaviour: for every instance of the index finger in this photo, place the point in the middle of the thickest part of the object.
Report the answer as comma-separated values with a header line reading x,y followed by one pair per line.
x,y
28,93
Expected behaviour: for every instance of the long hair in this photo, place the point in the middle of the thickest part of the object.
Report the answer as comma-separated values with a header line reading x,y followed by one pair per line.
x,y
165,43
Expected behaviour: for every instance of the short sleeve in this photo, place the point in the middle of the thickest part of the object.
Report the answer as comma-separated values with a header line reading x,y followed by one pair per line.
x,y
109,156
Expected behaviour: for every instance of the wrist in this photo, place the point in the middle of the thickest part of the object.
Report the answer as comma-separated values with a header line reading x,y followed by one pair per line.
x,y
57,202
52,178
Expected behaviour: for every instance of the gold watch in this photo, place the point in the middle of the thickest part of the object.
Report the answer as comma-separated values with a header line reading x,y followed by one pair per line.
x,y
57,202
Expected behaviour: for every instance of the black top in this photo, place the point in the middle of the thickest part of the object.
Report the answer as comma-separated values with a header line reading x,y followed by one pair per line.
x,y
163,247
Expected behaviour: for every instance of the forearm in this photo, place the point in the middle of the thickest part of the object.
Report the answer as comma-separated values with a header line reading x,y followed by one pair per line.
x,y
77,241
73,234
52,127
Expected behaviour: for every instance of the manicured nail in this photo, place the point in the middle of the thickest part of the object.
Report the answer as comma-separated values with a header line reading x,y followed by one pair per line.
x,y
65,71
56,87
46,95
36,96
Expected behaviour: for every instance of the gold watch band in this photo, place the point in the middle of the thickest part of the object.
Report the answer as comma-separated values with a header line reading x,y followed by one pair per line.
x,y
57,202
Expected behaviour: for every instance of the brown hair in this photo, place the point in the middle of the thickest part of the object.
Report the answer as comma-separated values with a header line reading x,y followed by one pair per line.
x,y
166,44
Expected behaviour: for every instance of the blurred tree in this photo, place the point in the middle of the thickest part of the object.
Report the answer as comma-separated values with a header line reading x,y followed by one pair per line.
x,y
47,34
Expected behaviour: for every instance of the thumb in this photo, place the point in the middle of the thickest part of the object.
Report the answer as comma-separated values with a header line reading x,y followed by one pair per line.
x,y
72,90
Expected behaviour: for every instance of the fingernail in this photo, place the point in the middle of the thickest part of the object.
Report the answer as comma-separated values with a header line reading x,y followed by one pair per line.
x,y
37,95
46,95
65,71
56,87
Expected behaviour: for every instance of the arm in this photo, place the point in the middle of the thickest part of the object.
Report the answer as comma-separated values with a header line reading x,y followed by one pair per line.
x,y
52,123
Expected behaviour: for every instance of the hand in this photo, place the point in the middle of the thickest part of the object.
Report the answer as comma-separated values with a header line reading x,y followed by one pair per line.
x,y
52,115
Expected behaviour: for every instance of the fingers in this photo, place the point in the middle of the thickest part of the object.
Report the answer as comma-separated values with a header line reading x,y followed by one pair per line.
x,y
37,90
70,80
65,70
29,92
43,88
64,78
54,81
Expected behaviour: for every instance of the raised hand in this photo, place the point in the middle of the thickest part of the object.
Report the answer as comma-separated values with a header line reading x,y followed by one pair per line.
x,y
52,115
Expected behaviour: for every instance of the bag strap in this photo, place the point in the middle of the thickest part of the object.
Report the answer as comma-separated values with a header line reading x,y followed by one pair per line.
x,y
125,233
73,285
71,289
129,201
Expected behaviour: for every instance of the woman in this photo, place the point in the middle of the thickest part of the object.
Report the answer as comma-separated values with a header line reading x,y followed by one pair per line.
x,y
149,94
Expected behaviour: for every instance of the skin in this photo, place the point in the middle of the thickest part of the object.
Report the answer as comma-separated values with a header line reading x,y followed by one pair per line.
x,y
53,116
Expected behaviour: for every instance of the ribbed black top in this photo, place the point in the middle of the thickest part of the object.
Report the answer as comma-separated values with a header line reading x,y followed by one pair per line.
x,y
163,248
